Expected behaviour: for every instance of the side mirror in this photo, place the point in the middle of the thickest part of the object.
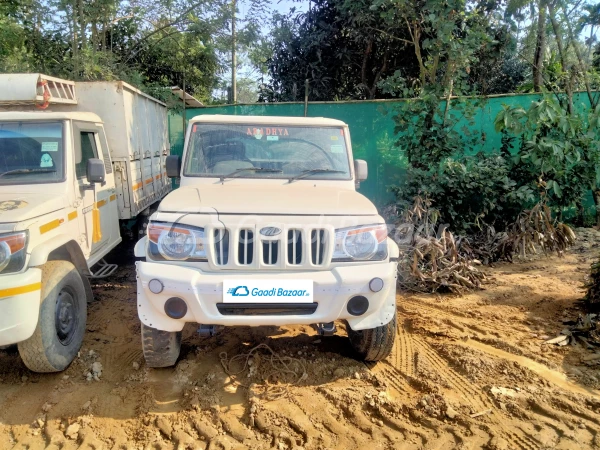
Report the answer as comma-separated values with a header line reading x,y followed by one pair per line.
x,y
360,170
95,171
173,164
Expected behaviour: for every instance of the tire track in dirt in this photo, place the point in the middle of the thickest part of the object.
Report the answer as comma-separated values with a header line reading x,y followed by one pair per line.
x,y
404,362
548,374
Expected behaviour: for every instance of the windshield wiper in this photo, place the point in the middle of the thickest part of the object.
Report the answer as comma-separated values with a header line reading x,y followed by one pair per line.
x,y
27,171
254,169
309,172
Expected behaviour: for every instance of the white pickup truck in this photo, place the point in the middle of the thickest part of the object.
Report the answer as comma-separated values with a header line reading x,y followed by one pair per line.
x,y
77,160
266,229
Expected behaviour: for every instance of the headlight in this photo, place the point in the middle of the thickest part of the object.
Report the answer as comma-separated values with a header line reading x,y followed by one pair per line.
x,y
364,243
175,242
12,251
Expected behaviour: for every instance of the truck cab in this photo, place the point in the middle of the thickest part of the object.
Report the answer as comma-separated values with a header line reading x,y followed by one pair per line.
x,y
266,229
47,203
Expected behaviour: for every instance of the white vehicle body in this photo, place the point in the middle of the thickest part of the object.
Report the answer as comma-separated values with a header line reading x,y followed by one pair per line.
x,y
112,122
275,211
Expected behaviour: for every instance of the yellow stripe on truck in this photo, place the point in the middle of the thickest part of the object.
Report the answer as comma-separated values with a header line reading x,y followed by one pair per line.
x,y
20,290
72,215
100,203
50,225
113,198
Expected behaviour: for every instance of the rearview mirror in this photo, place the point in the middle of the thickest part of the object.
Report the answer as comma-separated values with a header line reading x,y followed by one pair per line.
x,y
95,171
173,164
360,170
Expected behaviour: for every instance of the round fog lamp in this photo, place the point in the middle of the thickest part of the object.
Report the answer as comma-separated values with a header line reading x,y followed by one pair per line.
x,y
175,308
376,284
358,305
155,286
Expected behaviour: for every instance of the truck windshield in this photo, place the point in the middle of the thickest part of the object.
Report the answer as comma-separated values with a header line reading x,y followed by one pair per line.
x,y
31,152
277,151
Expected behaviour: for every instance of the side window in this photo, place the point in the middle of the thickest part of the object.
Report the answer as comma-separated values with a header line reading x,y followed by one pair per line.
x,y
88,150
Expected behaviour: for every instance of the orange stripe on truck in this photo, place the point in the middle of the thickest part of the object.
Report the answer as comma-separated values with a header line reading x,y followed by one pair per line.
x,y
137,186
113,198
20,290
148,180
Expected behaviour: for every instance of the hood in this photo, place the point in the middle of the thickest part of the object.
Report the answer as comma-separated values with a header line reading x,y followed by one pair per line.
x,y
288,199
20,207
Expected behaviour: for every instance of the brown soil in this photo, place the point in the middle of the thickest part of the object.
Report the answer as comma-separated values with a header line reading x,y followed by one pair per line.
x,y
467,372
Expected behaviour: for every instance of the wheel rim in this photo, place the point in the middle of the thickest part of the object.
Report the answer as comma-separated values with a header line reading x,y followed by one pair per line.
x,y
66,316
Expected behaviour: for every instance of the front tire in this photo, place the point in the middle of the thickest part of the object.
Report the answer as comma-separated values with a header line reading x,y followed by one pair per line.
x,y
161,348
61,324
374,344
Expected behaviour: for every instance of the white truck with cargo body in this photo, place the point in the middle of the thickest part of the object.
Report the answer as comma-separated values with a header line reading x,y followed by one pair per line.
x,y
77,160
266,228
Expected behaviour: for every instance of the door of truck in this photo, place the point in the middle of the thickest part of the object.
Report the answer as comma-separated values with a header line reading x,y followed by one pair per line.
x,y
90,142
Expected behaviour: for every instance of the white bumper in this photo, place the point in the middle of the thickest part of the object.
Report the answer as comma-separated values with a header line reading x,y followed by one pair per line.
x,y
204,291
19,305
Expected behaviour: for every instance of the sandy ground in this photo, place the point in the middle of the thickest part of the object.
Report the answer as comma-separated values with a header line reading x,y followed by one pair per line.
x,y
466,372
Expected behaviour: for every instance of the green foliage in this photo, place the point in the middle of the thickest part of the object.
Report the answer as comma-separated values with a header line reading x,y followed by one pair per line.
x,y
468,191
558,150
147,43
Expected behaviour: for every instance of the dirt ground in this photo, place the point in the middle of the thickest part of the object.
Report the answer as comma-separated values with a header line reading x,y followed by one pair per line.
x,y
466,372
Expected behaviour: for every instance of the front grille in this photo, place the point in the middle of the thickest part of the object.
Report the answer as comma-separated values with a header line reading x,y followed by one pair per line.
x,y
317,246
294,246
221,246
246,247
270,252
295,249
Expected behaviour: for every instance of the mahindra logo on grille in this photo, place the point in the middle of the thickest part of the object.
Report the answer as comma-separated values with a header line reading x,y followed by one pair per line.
x,y
270,231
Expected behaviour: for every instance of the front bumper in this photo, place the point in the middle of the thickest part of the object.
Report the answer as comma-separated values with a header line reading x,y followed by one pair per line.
x,y
19,305
203,294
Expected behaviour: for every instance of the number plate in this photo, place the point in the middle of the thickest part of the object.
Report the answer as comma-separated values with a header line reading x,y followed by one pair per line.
x,y
268,291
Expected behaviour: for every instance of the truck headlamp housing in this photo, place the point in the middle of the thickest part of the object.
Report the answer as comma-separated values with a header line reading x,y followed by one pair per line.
x,y
13,251
364,243
175,242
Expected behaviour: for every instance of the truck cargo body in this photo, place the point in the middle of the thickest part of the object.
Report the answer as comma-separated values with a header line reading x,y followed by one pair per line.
x,y
136,129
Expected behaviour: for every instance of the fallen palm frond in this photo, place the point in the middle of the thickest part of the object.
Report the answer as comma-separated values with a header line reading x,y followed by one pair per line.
x,y
430,259
535,229
585,331
433,259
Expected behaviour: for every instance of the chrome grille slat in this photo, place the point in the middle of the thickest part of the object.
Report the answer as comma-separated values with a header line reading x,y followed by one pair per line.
x,y
318,245
246,247
294,246
221,246
270,252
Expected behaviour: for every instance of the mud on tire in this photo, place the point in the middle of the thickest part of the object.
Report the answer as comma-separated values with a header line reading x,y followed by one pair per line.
x,y
61,324
161,348
374,344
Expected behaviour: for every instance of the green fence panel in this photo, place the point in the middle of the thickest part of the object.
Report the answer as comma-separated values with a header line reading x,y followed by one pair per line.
x,y
372,129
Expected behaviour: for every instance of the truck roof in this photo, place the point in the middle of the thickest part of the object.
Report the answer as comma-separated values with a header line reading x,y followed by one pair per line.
x,y
267,120
49,115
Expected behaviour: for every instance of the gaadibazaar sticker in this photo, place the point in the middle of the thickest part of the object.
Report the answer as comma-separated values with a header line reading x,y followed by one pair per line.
x,y
268,291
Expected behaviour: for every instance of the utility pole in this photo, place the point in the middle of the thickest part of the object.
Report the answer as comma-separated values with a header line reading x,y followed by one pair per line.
x,y
233,59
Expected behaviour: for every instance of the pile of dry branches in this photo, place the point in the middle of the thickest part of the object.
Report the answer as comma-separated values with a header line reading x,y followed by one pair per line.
x,y
429,254
433,259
